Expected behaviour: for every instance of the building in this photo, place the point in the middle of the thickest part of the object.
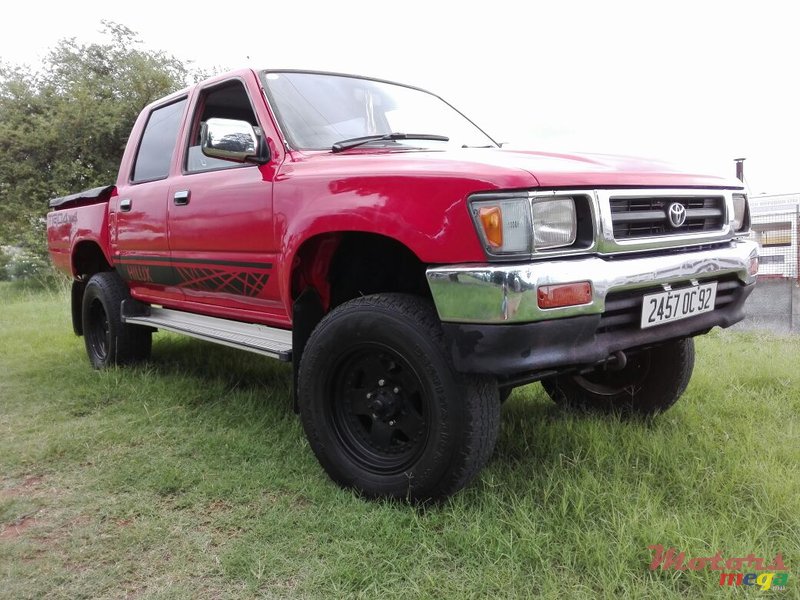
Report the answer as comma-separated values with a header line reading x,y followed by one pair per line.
x,y
775,221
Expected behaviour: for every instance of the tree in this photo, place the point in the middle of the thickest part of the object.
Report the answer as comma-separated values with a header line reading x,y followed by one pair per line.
x,y
63,128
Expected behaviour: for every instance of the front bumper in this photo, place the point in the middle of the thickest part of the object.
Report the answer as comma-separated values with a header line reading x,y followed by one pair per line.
x,y
493,323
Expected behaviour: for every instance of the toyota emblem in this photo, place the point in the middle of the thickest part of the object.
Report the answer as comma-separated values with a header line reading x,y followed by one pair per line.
x,y
677,214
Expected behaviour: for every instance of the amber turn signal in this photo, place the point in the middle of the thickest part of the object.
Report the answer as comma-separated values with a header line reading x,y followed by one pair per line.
x,y
492,223
564,294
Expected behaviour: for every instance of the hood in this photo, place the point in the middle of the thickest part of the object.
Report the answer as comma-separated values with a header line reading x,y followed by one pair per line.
x,y
607,170
507,169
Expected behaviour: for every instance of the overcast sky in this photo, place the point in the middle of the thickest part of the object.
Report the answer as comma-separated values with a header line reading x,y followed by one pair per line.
x,y
697,83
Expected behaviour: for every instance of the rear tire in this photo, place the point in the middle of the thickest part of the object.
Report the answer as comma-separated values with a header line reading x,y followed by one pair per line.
x,y
650,383
109,341
384,411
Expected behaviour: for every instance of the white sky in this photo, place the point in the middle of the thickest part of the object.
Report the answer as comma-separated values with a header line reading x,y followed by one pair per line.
x,y
697,83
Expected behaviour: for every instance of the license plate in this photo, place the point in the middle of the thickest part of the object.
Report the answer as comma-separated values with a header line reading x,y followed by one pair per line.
x,y
675,305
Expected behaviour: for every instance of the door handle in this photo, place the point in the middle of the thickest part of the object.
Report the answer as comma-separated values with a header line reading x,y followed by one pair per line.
x,y
181,198
125,205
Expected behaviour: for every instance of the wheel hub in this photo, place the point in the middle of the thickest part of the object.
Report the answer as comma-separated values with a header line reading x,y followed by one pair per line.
x,y
382,419
385,406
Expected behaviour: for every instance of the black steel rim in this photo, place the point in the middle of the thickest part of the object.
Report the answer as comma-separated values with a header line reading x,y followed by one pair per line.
x,y
379,408
98,330
610,382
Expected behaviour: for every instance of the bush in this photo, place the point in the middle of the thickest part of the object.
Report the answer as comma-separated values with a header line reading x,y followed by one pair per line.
x,y
64,126
25,264
5,259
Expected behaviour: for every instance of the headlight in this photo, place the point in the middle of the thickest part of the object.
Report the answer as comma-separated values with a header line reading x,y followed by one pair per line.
x,y
555,223
740,216
504,224
512,224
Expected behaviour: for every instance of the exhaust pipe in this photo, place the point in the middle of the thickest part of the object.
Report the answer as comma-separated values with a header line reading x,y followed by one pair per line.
x,y
739,168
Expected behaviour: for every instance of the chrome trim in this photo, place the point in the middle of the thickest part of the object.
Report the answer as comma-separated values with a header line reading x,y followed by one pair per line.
x,y
506,293
228,139
607,244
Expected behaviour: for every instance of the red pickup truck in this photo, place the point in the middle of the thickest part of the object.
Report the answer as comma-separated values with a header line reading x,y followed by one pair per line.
x,y
411,270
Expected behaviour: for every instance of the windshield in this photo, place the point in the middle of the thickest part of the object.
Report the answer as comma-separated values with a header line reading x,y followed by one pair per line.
x,y
317,110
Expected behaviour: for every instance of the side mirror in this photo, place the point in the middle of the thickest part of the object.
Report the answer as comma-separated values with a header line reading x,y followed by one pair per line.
x,y
232,140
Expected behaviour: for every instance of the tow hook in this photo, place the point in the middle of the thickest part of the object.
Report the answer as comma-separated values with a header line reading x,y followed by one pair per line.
x,y
617,361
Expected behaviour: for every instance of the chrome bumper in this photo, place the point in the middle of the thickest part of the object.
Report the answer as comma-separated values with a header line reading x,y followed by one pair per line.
x,y
507,293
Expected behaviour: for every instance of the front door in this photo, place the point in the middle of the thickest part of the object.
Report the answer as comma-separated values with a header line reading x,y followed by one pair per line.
x,y
220,220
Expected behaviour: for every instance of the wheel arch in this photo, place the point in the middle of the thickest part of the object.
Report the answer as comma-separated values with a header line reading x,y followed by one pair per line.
x,y
337,262
87,259
331,268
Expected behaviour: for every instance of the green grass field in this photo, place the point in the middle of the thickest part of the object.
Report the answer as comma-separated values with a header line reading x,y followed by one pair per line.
x,y
190,477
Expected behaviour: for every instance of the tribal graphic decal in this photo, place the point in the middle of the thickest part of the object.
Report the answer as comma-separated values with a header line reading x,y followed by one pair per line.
x,y
217,280
231,277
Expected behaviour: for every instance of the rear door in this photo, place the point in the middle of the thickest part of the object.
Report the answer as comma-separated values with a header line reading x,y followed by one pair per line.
x,y
139,240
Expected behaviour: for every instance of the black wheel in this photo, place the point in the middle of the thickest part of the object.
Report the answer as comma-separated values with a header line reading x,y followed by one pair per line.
x,y
505,394
384,411
650,382
109,341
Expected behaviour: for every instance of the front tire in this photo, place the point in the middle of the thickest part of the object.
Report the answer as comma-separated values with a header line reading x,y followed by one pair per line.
x,y
650,383
384,411
109,341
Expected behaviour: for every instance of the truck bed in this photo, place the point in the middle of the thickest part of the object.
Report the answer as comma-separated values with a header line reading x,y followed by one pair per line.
x,y
76,218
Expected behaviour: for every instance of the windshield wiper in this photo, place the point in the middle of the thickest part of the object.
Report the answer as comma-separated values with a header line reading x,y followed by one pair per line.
x,y
353,142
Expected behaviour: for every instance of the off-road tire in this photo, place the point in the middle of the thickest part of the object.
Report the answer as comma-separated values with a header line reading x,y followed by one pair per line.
x,y
650,383
424,431
109,341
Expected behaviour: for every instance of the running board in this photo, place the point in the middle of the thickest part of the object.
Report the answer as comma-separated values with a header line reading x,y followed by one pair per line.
x,y
270,341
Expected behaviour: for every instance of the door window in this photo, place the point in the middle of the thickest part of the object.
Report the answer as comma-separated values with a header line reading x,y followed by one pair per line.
x,y
158,142
229,101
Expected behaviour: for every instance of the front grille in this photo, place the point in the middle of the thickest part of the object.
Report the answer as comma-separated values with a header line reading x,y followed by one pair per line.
x,y
624,309
641,217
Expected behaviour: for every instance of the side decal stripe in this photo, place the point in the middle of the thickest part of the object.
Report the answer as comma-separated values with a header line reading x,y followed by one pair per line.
x,y
191,261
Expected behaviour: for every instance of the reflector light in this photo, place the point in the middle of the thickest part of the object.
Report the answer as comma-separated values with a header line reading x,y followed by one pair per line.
x,y
753,268
564,294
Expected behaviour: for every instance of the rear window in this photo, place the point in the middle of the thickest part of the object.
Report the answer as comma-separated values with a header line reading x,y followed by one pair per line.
x,y
158,142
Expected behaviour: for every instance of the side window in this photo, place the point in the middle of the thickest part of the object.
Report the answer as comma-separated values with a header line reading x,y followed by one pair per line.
x,y
158,142
229,101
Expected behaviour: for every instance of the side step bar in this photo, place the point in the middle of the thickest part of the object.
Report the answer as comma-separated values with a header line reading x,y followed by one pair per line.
x,y
261,339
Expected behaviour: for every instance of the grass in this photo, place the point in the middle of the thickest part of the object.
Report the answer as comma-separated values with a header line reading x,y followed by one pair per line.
x,y
190,477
